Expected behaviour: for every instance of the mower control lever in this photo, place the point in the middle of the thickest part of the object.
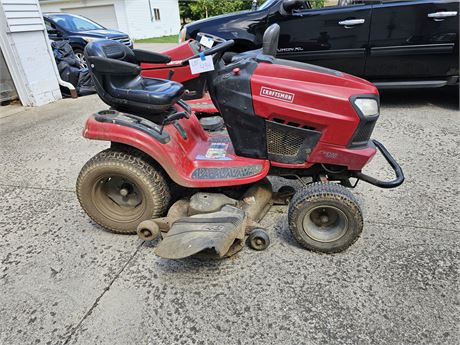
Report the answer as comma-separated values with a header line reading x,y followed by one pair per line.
x,y
174,117
187,108
397,169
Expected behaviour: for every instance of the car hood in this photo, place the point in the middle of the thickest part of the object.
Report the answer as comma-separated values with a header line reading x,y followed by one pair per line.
x,y
227,17
103,33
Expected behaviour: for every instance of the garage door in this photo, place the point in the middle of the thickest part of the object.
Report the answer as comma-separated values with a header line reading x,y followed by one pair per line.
x,y
104,15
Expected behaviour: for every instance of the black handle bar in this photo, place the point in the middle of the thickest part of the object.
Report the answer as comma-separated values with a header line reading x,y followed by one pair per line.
x,y
396,168
217,49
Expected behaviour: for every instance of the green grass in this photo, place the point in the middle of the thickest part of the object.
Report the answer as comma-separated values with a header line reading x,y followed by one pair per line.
x,y
163,39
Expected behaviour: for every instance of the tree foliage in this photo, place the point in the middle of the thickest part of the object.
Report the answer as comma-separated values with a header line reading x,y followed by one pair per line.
x,y
191,10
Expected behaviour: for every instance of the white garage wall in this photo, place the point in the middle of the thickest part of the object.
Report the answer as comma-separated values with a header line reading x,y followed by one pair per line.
x,y
140,18
133,16
106,15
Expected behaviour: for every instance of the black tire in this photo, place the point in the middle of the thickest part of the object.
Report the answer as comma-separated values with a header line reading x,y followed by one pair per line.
x,y
104,177
258,239
335,209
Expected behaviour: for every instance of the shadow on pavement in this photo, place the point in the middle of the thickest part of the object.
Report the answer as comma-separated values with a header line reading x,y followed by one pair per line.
x,y
445,97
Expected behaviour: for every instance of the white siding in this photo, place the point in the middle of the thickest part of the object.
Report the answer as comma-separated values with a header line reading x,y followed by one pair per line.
x,y
22,15
24,43
141,21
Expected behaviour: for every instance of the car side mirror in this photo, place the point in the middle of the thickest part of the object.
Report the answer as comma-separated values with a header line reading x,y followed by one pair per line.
x,y
54,32
291,5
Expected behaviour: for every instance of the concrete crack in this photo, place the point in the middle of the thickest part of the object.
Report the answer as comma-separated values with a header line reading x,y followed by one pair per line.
x,y
411,226
37,188
96,302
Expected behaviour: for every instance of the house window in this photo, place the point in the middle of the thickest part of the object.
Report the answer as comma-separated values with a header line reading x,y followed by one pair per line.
x,y
156,14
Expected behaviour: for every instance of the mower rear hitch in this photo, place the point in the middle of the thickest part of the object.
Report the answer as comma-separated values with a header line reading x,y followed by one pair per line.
x,y
396,168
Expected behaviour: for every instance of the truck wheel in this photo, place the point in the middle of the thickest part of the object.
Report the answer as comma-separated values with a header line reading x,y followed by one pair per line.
x,y
119,190
325,217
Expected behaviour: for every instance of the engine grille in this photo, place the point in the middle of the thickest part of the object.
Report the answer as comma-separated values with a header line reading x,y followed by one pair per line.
x,y
363,133
125,40
288,144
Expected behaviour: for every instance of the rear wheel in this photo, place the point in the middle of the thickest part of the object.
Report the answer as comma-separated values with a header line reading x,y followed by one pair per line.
x,y
325,217
119,190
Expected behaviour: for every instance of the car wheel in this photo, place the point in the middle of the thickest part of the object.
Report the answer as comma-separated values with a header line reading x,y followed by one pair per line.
x,y
80,56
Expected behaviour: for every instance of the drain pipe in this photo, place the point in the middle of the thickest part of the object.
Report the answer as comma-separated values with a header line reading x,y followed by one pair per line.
x,y
73,91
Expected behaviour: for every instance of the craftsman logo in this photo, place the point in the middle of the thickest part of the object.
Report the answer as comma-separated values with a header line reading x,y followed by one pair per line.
x,y
277,94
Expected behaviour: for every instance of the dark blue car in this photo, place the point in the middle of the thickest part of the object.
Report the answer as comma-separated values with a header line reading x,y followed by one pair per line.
x,y
79,30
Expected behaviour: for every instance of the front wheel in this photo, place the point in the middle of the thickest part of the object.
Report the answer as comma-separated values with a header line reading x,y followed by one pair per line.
x,y
325,217
79,53
119,190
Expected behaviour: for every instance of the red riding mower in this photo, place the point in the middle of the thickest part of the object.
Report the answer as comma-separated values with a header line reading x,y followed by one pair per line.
x,y
206,191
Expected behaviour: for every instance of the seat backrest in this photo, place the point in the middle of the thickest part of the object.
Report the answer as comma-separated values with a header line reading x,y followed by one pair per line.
x,y
110,49
270,40
111,63
116,73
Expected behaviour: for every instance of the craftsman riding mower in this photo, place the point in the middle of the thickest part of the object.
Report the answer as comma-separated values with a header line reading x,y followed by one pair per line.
x,y
205,192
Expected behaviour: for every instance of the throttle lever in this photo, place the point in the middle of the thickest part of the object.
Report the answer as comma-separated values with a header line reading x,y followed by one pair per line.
x,y
171,118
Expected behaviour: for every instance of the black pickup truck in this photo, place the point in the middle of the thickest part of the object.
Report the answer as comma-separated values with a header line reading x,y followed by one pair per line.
x,y
394,43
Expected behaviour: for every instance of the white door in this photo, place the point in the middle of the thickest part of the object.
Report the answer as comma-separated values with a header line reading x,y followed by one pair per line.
x,y
104,15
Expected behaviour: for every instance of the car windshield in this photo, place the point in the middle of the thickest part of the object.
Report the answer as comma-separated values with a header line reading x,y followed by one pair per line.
x,y
75,23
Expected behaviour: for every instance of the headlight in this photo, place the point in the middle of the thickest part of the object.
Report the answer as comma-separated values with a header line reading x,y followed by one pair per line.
x,y
90,39
367,106
182,34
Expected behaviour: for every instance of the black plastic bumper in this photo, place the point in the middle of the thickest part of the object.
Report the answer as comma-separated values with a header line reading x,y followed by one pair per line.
x,y
397,169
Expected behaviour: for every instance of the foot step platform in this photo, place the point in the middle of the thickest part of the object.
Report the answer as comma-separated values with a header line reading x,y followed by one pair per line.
x,y
217,233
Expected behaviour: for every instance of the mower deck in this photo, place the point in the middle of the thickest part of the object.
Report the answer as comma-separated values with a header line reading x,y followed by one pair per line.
x,y
212,224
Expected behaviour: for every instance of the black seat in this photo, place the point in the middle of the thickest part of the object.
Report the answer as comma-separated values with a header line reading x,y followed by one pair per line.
x,y
116,73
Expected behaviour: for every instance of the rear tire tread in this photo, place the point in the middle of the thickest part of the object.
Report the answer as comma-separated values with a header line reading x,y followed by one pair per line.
x,y
153,178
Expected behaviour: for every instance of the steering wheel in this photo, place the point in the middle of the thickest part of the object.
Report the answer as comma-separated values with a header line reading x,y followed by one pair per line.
x,y
220,48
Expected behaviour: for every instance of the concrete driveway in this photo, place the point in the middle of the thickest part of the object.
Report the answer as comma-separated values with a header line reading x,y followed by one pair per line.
x,y
63,280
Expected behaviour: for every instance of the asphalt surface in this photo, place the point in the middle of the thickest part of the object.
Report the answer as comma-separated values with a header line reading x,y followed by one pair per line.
x,y
63,280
